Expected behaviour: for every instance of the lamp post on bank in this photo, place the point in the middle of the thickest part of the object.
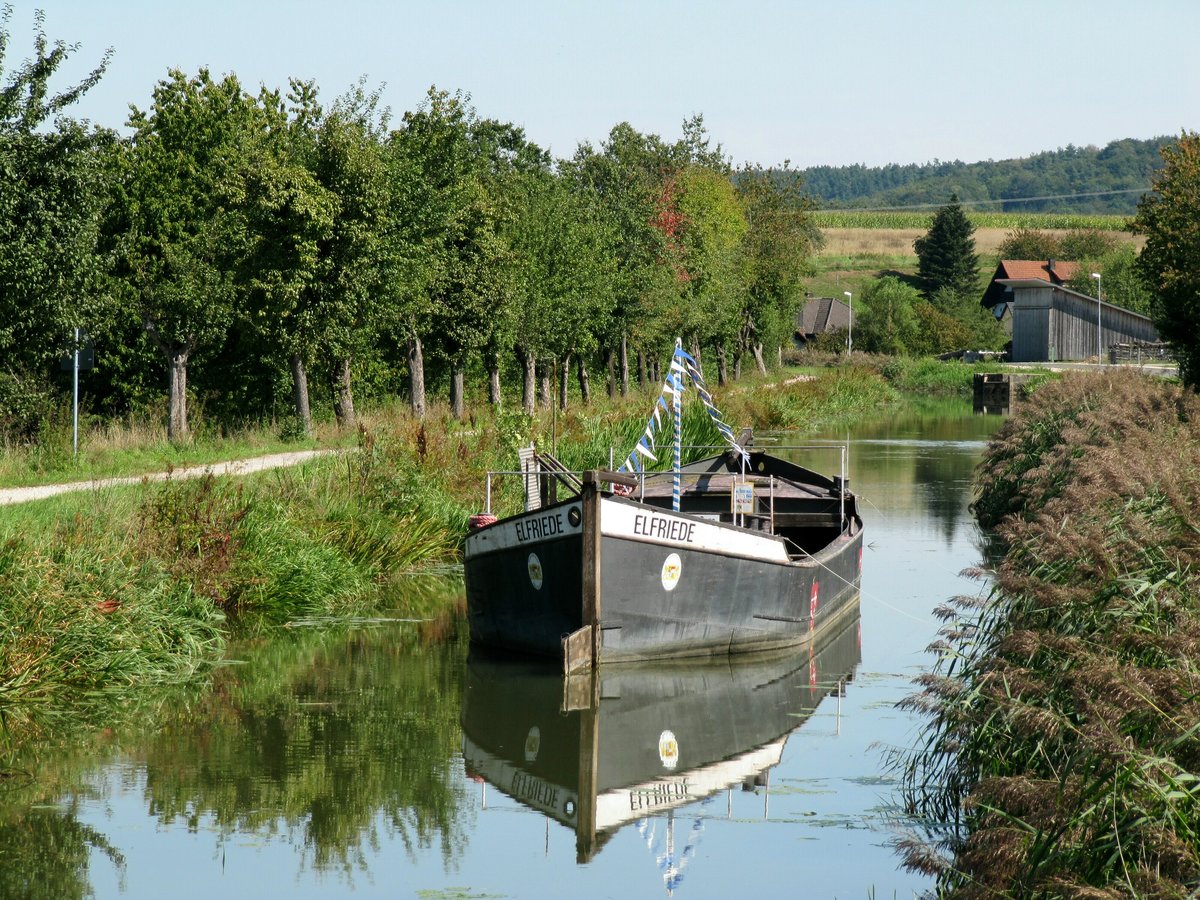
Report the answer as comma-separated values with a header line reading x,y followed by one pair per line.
x,y
850,327
1099,356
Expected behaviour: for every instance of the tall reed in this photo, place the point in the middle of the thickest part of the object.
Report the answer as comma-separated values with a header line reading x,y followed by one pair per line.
x,y
1063,751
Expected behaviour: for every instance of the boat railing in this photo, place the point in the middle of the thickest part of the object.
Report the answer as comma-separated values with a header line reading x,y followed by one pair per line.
x,y
573,479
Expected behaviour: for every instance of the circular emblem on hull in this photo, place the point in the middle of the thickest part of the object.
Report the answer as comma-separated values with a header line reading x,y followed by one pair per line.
x,y
533,743
535,571
668,749
671,570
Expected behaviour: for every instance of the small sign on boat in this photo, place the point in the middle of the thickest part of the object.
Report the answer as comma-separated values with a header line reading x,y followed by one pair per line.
x,y
743,498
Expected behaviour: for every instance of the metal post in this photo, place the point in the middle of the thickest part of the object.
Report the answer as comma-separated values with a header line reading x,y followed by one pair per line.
x,y
1099,329
850,327
75,398
677,408
842,488
488,506
772,482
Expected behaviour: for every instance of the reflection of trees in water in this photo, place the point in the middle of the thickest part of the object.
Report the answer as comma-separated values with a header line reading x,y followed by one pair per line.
x,y
44,852
325,740
330,739
945,480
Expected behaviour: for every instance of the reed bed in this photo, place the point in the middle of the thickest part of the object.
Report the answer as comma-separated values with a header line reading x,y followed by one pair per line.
x,y
1063,752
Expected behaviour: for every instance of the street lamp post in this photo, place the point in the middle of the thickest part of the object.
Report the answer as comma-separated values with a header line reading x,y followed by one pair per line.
x,y
850,327
1099,352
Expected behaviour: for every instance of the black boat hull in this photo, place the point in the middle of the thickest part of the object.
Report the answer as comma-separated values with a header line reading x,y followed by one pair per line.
x,y
639,582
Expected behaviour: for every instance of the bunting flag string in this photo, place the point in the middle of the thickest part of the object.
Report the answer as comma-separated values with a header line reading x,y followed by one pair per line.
x,y
683,365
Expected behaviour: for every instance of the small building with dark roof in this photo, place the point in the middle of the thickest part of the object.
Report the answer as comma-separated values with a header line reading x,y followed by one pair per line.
x,y
821,315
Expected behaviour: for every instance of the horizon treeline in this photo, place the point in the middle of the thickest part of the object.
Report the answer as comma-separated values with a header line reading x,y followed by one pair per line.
x,y
263,255
1084,180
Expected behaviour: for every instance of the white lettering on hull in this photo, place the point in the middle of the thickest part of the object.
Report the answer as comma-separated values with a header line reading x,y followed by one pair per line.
x,y
527,530
652,526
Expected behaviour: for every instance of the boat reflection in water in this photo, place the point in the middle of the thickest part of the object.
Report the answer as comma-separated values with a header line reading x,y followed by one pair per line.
x,y
617,745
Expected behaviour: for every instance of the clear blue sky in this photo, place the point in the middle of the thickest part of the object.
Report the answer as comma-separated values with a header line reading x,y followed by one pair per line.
x,y
831,82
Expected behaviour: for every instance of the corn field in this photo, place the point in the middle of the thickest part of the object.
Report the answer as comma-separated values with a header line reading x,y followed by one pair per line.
x,y
850,218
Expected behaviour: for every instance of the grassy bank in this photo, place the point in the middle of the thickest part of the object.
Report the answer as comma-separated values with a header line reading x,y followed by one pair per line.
x,y
121,587
1064,748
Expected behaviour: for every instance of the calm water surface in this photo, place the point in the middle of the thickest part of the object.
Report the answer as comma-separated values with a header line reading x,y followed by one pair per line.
x,y
386,760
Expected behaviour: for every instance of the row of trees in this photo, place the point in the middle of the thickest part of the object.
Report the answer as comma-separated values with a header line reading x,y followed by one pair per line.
x,y
247,244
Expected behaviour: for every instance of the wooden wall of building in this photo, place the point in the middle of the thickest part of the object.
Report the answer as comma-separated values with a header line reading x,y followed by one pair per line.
x,y
1054,323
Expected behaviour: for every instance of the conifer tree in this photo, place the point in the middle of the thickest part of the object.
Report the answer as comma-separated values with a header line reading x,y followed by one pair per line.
x,y
946,254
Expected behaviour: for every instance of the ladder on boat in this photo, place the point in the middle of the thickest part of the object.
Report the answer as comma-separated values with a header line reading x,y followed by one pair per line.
x,y
543,473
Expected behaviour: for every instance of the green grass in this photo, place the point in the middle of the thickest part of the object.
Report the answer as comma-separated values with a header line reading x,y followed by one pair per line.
x,y
123,453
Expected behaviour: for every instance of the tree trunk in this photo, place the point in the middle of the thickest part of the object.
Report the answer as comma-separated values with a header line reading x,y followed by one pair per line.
x,y
779,356
722,365
641,368
758,359
610,368
457,404
624,364
694,349
585,387
737,365
544,386
177,420
343,396
529,383
564,381
416,376
300,394
494,381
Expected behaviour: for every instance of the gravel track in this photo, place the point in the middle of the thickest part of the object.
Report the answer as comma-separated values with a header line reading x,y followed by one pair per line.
x,y
9,496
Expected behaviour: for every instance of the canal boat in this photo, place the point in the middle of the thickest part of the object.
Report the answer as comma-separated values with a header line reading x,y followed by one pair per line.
x,y
635,745
740,551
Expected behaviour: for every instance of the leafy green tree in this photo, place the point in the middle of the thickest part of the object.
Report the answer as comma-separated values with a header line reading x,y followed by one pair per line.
x,y
1122,279
173,222
1086,243
623,182
777,247
887,320
441,235
946,255
1030,243
978,329
565,272
53,181
283,215
346,157
712,237
1170,261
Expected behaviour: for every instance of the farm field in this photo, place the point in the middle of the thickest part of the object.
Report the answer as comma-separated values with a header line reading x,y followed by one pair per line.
x,y
860,246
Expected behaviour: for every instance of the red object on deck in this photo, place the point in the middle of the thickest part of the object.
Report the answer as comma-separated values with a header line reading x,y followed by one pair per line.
x,y
479,520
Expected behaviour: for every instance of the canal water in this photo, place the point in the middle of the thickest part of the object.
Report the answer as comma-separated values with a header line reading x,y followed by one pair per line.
x,y
383,758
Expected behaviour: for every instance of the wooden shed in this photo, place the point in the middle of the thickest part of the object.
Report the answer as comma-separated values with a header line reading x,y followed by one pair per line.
x,y
1051,322
818,316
